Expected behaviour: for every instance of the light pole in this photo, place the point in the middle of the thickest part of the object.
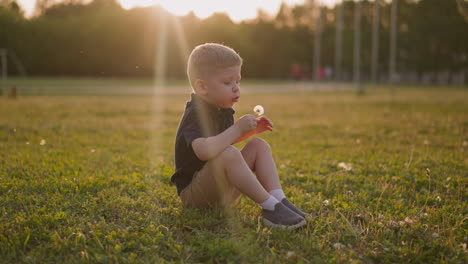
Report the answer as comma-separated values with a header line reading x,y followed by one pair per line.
x,y
393,43
317,41
338,41
357,47
375,42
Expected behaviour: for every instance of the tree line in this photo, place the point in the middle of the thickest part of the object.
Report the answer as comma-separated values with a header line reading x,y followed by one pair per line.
x,y
100,38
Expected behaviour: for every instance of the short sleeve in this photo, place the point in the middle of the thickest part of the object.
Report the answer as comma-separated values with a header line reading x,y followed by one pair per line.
x,y
192,130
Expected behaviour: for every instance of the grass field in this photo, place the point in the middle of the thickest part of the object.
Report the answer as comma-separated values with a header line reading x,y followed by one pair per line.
x,y
86,178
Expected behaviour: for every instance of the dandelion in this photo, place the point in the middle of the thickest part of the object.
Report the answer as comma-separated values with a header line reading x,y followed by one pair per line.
x,y
326,202
345,166
338,245
27,142
435,235
258,110
438,198
93,150
42,142
463,246
292,256
426,142
465,143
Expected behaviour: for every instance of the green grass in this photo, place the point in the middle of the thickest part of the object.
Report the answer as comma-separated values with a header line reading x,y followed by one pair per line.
x,y
98,190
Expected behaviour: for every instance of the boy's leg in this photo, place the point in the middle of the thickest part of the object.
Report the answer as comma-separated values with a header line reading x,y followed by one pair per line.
x,y
228,170
257,155
240,175
222,180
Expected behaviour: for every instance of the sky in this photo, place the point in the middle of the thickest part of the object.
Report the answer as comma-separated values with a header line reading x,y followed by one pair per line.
x,y
238,10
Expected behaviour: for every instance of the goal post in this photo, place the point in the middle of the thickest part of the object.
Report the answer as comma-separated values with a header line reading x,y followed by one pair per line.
x,y
9,56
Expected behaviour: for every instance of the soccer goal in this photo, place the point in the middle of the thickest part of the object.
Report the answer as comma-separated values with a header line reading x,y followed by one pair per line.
x,y
5,57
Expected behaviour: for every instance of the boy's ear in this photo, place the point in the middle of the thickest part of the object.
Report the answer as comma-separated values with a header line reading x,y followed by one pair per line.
x,y
200,87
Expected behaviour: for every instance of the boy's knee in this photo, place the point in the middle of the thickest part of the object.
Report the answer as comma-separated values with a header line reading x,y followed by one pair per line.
x,y
259,143
230,154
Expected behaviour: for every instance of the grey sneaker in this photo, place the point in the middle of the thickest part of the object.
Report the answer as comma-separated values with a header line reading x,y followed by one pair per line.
x,y
291,206
282,217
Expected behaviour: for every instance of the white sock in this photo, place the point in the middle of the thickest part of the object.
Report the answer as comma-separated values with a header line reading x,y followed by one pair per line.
x,y
278,194
270,203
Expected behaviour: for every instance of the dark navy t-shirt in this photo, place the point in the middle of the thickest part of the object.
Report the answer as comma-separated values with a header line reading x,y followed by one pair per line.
x,y
200,119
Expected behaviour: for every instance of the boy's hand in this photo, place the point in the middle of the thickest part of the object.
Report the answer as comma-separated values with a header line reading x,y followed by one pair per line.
x,y
258,126
263,124
246,123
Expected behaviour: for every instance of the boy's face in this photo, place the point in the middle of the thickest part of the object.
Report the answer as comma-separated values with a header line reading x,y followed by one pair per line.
x,y
222,88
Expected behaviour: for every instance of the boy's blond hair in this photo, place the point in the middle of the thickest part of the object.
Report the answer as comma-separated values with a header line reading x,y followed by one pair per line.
x,y
207,58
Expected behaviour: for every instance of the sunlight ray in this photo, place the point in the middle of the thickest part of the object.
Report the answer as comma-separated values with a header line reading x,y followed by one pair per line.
x,y
159,81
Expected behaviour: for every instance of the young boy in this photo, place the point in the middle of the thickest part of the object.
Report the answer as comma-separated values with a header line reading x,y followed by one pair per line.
x,y
210,172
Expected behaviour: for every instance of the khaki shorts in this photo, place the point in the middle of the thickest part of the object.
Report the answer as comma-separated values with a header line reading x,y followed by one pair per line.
x,y
210,188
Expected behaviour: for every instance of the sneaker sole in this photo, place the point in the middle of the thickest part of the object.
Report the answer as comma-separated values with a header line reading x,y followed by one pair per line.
x,y
271,224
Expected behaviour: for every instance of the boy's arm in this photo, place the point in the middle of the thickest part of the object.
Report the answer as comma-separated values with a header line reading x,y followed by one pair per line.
x,y
209,147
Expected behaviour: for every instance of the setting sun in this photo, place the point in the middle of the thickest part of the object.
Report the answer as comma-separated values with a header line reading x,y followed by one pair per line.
x,y
237,10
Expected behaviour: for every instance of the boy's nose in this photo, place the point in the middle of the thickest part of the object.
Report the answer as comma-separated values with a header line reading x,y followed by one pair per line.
x,y
236,88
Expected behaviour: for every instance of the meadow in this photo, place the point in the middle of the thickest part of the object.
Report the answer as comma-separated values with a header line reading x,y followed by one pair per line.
x,y
87,179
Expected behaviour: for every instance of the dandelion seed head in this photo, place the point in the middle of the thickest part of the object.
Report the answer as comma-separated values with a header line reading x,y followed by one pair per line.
x,y
345,166
338,245
409,221
326,202
258,110
292,256
463,246
42,142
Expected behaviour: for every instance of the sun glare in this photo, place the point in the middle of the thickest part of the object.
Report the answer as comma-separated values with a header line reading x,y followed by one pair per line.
x,y
237,10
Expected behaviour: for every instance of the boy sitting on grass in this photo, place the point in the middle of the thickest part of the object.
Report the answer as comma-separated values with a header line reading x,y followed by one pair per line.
x,y
212,173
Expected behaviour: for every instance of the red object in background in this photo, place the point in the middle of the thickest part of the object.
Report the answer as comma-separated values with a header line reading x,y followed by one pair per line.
x,y
320,73
296,71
